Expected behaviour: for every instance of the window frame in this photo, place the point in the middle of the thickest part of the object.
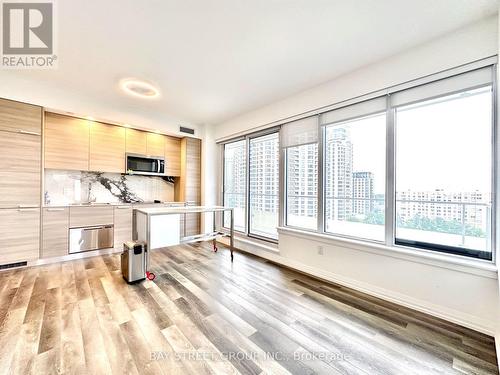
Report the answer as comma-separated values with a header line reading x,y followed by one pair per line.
x,y
489,256
248,214
390,159
323,182
247,139
284,192
223,192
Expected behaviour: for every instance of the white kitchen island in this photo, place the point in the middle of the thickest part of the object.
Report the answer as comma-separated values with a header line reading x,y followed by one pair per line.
x,y
160,227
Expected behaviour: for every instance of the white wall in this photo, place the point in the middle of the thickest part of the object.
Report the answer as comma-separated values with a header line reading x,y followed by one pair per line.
x,y
463,46
209,176
458,294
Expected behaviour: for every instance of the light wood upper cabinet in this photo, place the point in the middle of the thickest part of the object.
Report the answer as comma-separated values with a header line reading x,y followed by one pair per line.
x,y
155,144
107,148
55,226
66,142
20,229
20,177
136,142
172,156
20,117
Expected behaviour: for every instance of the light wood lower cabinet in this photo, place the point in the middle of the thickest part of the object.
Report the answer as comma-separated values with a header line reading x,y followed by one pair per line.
x,y
90,216
123,225
55,227
190,224
20,229
20,171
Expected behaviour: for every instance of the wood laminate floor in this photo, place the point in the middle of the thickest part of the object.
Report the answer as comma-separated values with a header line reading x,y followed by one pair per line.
x,y
204,315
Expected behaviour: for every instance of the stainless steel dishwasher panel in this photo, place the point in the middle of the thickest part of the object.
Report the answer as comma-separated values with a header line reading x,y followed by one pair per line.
x,y
90,238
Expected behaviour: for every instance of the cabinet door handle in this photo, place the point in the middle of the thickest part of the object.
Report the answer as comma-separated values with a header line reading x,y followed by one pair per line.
x,y
123,207
55,209
27,209
27,206
27,132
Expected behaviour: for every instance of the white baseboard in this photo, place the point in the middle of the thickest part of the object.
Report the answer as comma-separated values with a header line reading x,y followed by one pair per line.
x,y
451,315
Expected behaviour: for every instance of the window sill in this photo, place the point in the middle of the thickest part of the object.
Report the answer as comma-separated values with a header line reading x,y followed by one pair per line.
x,y
449,261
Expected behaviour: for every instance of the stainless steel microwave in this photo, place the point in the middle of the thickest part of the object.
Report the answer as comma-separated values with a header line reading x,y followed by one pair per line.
x,y
148,165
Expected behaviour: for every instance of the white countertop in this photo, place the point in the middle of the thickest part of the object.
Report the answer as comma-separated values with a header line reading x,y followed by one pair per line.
x,y
180,210
111,204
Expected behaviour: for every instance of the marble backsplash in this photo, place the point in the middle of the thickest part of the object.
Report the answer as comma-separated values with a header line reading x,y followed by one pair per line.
x,y
72,187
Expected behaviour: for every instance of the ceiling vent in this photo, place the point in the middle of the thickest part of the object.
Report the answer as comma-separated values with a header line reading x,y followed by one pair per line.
x,y
183,129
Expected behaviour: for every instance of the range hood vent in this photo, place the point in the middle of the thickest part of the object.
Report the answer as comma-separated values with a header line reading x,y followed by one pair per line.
x,y
183,129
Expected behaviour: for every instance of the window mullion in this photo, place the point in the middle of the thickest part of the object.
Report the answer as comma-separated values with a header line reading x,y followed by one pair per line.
x,y
321,180
282,183
495,204
247,187
390,190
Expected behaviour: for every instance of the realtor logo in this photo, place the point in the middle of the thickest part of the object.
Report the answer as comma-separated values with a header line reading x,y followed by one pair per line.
x,y
28,35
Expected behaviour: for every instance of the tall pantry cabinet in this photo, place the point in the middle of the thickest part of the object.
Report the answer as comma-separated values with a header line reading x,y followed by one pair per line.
x,y
20,179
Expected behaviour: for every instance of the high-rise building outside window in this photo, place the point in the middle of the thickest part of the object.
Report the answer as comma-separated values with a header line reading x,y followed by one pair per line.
x,y
300,142
413,168
355,177
264,185
302,186
235,182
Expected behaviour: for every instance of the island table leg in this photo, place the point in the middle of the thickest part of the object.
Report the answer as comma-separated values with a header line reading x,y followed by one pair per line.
x,y
231,233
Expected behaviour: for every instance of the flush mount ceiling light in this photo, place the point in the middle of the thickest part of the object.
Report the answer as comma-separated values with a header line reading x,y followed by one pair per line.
x,y
139,88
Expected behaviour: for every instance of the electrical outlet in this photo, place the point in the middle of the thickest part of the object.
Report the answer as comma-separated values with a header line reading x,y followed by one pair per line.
x,y
320,250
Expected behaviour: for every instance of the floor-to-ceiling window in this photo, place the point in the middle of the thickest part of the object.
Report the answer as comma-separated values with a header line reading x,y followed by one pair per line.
x,y
235,182
264,185
262,190
413,168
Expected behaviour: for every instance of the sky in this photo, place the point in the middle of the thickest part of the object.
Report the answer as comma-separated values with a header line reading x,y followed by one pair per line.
x,y
444,145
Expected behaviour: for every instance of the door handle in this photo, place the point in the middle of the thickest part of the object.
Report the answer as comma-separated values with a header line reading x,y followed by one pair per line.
x,y
96,228
27,132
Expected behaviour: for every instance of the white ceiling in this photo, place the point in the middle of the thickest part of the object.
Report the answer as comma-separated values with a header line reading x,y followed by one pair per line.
x,y
214,59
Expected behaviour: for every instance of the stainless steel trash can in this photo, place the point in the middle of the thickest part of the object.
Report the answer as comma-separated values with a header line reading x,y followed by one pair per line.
x,y
134,261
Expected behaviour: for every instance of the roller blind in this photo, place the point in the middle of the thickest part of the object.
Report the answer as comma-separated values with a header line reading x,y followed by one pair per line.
x,y
365,108
300,132
464,81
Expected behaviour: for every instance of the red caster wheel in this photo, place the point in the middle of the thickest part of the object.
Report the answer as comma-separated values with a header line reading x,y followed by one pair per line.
x,y
150,276
215,249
